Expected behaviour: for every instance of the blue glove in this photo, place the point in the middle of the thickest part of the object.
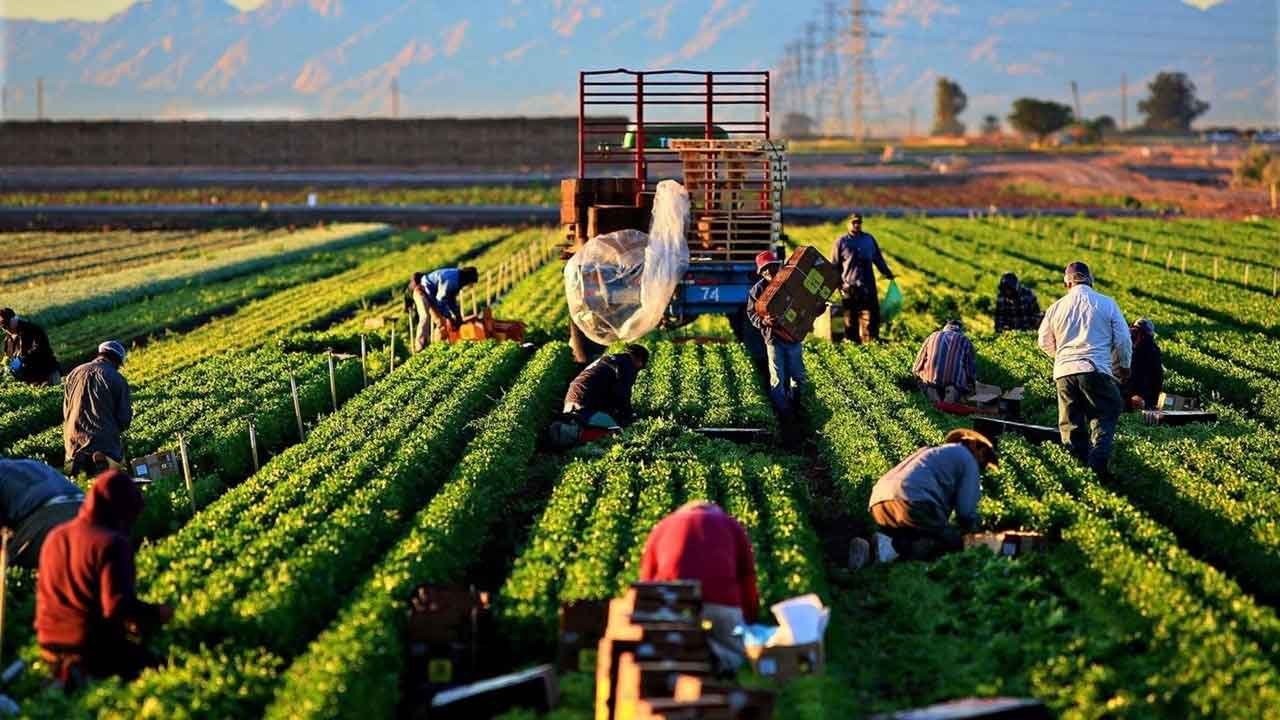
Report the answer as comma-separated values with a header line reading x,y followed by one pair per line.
x,y
15,366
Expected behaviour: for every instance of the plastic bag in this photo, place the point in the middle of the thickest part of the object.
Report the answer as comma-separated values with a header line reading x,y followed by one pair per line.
x,y
892,303
618,285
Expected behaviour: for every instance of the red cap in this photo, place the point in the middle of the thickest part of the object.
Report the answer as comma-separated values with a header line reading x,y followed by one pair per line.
x,y
766,257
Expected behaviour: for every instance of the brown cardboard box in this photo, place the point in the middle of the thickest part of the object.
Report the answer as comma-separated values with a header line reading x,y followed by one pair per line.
x,y
156,466
582,625
786,662
992,399
744,703
799,293
1168,401
1009,544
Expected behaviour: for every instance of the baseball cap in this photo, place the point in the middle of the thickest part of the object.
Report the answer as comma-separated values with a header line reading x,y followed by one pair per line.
x,y
115,348
1146,325
765,259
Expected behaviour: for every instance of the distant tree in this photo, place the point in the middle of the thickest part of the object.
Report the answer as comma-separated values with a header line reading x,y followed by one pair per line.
x,y
990,125
1104,124
1172,104
949,102
797,125
1039,117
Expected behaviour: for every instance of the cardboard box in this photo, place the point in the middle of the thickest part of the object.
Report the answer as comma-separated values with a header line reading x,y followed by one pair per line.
x,y
157,466
829,325
744,703
1176,417
786,662
994,400
1168,401
582,625
1008,544
798,294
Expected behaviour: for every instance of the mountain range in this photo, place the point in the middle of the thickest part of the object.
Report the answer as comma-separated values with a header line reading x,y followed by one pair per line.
x,y
192,58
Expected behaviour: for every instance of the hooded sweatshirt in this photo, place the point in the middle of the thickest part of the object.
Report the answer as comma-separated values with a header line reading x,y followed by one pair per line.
x,y
702,542
85,592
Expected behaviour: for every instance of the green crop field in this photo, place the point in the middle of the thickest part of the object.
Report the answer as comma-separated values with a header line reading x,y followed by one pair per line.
x,y
1158,596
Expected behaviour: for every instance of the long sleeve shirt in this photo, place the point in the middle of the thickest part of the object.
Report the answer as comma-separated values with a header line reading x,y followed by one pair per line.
x,y
757,320
704,543
855,255
605,386
1020,311
947,358
26,485
96,410
442,287
1146,379
30,343
85,590
947,476
1084,331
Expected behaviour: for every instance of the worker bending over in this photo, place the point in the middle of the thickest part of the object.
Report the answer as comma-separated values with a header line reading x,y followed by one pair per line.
x,y
34,499
1146,373
96,410
854,253
600,397
912,503
786,359
1086,335
1017,307
88,614
28,356
435,300
946,366
702,542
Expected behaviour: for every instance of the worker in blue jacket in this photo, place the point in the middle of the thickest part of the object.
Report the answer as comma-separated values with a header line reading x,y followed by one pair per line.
x,y
855,253
435,300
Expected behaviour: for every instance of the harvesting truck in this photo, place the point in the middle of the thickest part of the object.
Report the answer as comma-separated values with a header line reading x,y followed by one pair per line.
x,y
711,131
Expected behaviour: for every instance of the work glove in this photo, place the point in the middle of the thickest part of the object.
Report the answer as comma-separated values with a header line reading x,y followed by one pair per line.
x,y
15,366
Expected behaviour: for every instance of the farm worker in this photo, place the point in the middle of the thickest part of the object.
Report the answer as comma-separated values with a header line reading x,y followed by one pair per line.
x,y
854,253
1017,307
435,298
1086,335
946,366
27,353
702,542
600,397
786,359
34,499
912,503
96,409
1146,375
86,602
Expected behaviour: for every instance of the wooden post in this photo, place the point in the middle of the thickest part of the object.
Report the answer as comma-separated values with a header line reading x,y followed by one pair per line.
x,y
364,360
1246,274
186,470
297,407
488,287
253,445
333,383
1184,263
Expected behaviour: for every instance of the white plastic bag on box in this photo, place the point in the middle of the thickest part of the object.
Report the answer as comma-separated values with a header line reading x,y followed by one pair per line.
x,y
618,285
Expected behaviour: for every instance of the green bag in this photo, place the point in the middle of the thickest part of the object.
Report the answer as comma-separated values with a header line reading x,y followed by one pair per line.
x,y
892,303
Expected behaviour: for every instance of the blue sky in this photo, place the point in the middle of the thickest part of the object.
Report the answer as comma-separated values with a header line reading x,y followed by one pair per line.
x,y
520,56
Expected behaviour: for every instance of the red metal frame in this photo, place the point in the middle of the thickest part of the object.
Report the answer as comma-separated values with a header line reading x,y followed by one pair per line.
x,y
675,89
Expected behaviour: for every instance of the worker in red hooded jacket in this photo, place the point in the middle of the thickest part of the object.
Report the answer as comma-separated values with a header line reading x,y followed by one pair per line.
x,y
699,541
88,614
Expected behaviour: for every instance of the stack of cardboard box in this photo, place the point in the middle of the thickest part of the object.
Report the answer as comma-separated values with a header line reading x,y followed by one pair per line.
x,y
799,293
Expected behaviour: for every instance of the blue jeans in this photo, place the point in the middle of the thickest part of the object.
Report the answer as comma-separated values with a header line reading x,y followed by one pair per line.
x,y
786,373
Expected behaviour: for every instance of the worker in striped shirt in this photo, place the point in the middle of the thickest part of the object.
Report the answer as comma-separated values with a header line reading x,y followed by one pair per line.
x,y
946,366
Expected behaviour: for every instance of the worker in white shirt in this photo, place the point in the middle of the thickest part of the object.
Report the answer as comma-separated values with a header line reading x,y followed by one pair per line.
x,y
1087,337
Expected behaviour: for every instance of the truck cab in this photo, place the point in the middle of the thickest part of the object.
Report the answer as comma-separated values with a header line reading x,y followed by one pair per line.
x,y
710,131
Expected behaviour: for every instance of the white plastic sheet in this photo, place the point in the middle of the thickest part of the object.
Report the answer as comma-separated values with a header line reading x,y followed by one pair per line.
x,y
618,285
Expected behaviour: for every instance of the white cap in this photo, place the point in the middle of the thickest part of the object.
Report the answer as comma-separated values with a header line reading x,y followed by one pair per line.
x,y
115,348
